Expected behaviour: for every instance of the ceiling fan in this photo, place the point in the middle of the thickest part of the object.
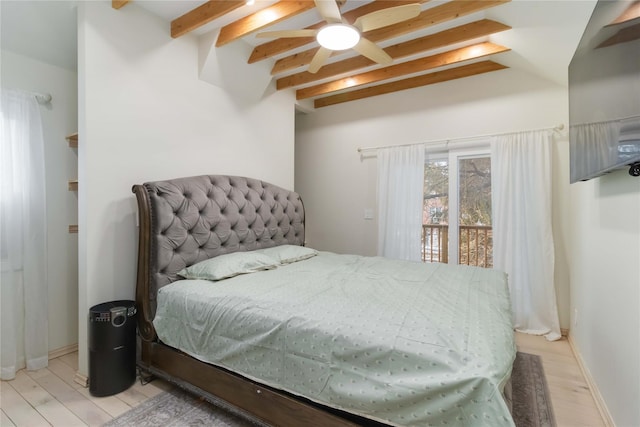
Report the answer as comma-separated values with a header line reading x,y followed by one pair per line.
x,y
340,35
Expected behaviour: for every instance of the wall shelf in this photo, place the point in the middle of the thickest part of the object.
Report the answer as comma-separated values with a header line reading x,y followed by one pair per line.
x,y
73,140
72,184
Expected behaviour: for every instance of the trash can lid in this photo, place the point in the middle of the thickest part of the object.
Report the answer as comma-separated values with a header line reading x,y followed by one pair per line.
x,y
107,306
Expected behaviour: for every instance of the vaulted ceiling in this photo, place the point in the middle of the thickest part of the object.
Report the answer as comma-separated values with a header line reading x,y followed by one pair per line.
x,y
447,40
450,39
532,36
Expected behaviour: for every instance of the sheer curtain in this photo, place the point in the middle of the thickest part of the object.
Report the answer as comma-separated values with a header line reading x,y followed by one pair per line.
x,y
522,234
23,299
400,198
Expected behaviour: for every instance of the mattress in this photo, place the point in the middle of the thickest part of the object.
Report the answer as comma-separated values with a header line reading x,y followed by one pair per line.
x,y
398,342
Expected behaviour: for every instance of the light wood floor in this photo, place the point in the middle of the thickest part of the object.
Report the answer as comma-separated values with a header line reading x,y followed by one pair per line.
x,y
51,397
573,404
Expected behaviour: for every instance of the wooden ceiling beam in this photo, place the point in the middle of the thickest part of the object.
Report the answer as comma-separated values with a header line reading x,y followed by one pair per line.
x,y
275,47
632,12
444,38
117,4
261,19
411,67
624,35
435,15
410,83
202,15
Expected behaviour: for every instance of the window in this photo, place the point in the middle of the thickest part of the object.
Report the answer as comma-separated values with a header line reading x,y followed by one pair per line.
x,y
457,208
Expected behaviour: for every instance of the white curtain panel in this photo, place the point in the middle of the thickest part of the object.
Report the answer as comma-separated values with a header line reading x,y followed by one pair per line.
x,y
522,233
400,198
23,298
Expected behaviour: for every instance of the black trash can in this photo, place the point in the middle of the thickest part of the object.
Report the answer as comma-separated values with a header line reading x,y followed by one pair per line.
x,y
112,347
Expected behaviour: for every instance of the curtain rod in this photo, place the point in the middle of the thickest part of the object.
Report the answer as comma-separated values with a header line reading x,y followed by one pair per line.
x,y
556,128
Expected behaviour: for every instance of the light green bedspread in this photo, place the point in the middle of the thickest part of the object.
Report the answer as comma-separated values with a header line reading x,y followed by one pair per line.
x,y
399,342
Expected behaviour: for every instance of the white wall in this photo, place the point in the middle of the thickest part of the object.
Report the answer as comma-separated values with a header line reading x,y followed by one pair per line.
x,y
59,119
145,115
337,183
605,231
605,288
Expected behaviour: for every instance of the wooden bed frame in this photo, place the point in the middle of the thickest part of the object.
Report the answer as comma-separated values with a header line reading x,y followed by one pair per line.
x,y
239,394
187,220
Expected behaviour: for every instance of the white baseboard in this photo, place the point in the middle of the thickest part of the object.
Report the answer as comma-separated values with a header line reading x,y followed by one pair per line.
x,y
62,351
81,379
593,388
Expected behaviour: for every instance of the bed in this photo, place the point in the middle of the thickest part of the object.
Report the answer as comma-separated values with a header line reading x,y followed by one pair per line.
x,y
307,337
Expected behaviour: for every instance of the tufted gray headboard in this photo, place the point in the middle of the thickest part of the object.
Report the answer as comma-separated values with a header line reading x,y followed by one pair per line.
x,y
187,220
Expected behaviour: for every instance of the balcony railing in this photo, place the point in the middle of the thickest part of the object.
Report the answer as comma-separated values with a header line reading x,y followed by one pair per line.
x,y
435,243
475,244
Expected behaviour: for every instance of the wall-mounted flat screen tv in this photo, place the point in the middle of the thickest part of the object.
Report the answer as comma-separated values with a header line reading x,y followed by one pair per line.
x,y
604,92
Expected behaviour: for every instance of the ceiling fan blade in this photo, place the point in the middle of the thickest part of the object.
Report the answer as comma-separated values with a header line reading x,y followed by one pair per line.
x,y
385,17
287,33
329,11
372,51
319,59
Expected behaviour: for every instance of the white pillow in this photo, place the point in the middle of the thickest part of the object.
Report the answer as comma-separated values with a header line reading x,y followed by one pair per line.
x,y
286,254
229,265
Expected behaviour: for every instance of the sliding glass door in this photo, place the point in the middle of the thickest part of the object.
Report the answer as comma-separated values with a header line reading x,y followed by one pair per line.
x,y
457,208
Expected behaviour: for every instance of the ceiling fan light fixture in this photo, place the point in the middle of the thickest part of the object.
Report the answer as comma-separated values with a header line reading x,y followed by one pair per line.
x,y
338,37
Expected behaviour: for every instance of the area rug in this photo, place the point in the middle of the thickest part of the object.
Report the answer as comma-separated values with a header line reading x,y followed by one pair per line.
x,y
530,393
177,408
